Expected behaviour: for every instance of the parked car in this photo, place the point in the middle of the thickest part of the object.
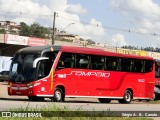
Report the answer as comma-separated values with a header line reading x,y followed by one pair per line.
x,y
157,92
4,76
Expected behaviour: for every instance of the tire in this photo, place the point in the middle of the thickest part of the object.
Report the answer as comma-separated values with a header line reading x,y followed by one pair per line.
x,y
156,96
34,98
140,100
58,95
104,100
127,98
148,100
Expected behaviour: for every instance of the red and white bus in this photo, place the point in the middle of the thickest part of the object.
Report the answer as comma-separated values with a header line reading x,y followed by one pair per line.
x,y
57,72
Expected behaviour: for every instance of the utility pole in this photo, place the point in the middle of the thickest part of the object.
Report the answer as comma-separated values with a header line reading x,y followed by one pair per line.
x,y
5,27
53,34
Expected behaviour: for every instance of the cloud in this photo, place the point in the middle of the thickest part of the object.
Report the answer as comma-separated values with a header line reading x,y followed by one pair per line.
x,y
25,20
144,14
23,11
93,30
76,9
26,6
118,40
141,16
42,12
136,6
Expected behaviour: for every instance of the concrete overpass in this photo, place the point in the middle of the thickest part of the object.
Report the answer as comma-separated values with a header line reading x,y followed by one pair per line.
x,y
8,49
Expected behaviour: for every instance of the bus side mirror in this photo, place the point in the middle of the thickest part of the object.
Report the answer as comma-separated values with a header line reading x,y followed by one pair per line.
x,y
37,60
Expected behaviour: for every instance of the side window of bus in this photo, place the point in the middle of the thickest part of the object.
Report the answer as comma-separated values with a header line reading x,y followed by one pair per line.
x,y
126,65
111,63
42,72
82,61
66,61
51,56
138,66
97,62
148,66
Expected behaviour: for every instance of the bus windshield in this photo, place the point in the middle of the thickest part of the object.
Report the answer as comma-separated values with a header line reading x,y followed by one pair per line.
x,y
22,68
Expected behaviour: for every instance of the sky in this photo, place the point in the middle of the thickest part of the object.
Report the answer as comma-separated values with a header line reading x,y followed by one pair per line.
x,y
113,22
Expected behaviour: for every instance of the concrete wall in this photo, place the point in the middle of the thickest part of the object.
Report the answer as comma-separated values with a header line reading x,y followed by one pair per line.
x,y
1,38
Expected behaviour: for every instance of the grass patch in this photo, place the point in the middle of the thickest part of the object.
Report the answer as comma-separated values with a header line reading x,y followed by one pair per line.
x,y
154,102
52,111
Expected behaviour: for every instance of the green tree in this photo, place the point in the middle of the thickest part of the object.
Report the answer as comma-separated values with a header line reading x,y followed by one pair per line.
x,y
2,31
24,30
35,30
90,42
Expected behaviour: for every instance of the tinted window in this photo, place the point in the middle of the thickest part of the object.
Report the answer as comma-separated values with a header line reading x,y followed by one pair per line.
x,y
138,66
66,61
82,61
148,66
43,70
97,63
126,65
111,63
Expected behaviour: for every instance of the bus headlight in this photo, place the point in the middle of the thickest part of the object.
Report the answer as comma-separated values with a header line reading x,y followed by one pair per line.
x,y
30,85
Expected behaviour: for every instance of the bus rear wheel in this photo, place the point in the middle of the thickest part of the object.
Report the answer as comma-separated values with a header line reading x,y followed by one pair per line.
x,y
127,98
104,100
58,95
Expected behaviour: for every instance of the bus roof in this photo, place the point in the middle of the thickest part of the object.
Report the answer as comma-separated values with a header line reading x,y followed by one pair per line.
x,y
38,49
81,50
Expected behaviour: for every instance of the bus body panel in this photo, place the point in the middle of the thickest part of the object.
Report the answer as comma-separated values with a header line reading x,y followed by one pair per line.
x,y
86,83
41,87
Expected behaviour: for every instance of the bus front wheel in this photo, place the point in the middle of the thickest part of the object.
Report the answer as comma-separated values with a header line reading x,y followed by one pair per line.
x,y
104,100
58,95
127,98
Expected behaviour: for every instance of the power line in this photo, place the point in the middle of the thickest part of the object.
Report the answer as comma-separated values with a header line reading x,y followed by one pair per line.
x,y
77,22
114,28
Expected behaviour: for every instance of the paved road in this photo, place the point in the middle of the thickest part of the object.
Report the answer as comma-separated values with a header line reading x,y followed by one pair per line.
x,y
10,102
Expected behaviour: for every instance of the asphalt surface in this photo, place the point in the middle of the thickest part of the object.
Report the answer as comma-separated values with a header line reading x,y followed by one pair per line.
x,y
86,104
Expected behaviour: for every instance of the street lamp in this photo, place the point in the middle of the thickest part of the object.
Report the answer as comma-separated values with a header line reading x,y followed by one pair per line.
x,y
68,26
